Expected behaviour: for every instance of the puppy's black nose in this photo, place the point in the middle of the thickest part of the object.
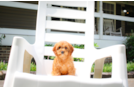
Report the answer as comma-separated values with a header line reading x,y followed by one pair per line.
x,y
62,52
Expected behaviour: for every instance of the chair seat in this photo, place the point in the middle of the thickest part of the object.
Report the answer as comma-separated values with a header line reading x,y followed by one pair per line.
x,y
21,79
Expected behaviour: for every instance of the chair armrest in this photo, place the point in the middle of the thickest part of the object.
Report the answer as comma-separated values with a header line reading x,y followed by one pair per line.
x,y
16,58
119,29
118,54
98,69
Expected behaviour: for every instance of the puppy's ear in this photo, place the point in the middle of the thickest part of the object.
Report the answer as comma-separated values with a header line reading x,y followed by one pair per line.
x,y
54,50
71,48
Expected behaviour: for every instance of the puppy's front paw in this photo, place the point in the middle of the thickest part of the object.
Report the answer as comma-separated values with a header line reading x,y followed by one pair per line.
x,y
56,74
71,72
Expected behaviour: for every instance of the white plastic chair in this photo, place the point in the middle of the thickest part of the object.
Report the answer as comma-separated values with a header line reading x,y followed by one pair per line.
x,y
15,75
109,28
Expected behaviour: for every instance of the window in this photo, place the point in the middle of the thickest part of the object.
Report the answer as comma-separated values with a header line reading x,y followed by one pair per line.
x,y
108,8
95,6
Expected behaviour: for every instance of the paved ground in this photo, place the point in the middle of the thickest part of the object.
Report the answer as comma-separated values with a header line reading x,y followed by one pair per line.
x,y
1,83
130,82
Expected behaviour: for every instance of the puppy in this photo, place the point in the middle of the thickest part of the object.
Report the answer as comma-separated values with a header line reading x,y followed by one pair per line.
x,y
63,62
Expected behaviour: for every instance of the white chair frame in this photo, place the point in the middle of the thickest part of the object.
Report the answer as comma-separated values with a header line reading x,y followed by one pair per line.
x,y
16,77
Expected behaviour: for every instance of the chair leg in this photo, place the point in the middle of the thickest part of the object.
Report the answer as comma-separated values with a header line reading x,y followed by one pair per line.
x,y
99,68
27,62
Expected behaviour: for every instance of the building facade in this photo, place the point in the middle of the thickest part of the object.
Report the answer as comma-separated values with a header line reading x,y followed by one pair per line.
x,y
18,18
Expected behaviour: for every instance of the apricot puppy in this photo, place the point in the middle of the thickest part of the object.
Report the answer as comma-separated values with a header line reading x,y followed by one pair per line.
x,y
63,62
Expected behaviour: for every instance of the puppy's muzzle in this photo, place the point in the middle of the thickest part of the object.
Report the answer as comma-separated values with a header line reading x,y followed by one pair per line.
x,y
62,52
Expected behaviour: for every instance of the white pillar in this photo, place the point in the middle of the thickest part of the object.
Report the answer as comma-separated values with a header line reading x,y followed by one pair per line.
x,y
101,21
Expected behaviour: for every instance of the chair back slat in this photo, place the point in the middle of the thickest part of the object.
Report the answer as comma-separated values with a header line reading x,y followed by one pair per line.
x,y
65,13
65,26
69,3
73,39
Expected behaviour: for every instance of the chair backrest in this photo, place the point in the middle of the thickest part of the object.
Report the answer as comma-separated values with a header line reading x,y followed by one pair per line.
x,y
108,25
52,9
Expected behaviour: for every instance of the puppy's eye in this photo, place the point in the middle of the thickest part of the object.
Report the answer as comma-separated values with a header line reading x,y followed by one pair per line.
x,y
65,47
59,47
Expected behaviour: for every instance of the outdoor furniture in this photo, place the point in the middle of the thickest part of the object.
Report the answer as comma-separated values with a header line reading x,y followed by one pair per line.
x,y
109,28
95,32
15,75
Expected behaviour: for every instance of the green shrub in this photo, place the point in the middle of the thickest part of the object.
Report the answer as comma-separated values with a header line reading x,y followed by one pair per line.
x,y
76,59
48,45
107,67
45,57
81,59
82,46
96,45
32,67
130,66
52,57
92,68
3,36
3,66
130,48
